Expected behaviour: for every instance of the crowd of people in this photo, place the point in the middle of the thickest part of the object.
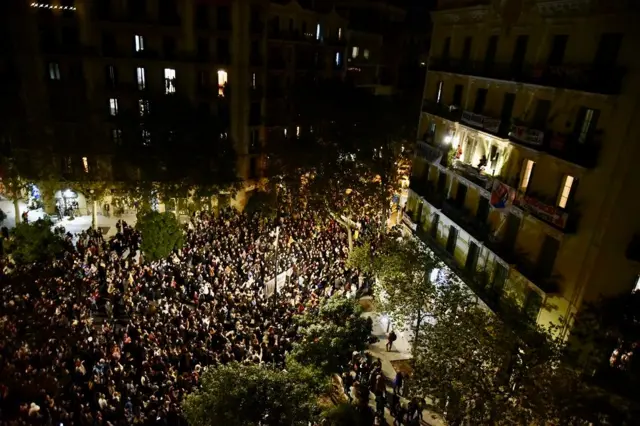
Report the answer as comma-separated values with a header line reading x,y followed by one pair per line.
x,y
99,336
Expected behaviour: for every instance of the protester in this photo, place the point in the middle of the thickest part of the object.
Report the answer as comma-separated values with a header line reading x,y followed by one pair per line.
x,y
100,336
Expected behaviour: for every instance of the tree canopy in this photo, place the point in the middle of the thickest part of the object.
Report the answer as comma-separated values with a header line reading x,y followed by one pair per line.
x,y
244,395
161,234
34,242
331,333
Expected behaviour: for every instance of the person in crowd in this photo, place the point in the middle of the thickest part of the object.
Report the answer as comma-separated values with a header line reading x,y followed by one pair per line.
x,y
101,336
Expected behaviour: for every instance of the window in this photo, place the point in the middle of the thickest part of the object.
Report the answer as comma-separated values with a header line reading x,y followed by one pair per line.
x,y
365,53
111,76
565,191
139,43
170,80
466,50
141,78
253,80
203,47
113,106
446,48
143,105
338,59
318,32
116,136
490,54
146,138
222,82
527,169
439,92
285,132
339,33
54,71
85,164
637,286
558,47
481,99
608,50
541,113
457,95
169,47
297,131
586,123
354,52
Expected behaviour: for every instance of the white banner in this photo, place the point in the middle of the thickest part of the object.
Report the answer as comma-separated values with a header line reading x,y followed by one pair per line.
x,y
270,285
527,135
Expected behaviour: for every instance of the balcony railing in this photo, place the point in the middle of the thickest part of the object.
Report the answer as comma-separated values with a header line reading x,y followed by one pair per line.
x,y
427,191
569,146
583,77
474,226
485,123
448,112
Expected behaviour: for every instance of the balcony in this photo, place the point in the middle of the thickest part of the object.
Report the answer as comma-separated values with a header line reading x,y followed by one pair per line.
x,y
485,123
447,112
427,191
582,77
566,146
429,153
472,174
543,209
464,218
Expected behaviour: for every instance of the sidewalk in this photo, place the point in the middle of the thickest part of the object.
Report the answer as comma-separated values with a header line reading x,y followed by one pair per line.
x,y
401,351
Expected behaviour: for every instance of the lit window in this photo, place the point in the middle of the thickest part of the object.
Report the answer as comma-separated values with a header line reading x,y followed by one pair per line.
x,y
439,93
141,76
54,71
339,33
144,107
85,164
253,80
113,106
354,51
139,41
222,82
170,80
146,137
527,169
297,131
563,197
116,136
310,129
318,31
365,53
637,286
285,132
338,59
585,129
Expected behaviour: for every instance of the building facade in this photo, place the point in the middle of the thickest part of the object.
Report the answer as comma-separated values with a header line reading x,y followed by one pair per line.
x,y
524,172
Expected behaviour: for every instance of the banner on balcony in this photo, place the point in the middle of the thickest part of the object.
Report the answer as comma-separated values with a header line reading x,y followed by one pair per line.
x,y
407,221
543,211
478,120
502,195
429,153
527,135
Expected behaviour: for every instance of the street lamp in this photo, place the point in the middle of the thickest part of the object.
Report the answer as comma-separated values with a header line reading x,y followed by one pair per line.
x,y
275,279
93,210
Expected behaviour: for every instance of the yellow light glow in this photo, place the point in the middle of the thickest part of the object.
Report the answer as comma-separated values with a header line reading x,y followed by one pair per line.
x,y
222,81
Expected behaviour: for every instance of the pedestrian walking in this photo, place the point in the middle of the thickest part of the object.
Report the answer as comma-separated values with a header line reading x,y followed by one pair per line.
x,y
390,339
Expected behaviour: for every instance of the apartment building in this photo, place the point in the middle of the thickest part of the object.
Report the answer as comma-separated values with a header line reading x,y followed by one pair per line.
x,y
90,71
524,179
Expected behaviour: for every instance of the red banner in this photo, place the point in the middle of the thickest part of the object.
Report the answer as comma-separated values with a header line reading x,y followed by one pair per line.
x,y
550,214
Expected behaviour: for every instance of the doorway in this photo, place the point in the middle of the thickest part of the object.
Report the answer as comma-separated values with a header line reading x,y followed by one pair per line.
x,y
452,240
472,258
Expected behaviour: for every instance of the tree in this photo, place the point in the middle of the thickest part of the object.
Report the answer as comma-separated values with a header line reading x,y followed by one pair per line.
x,y
490,370
404,283
263,203
244,395
347,414
34,242
330,334
161,234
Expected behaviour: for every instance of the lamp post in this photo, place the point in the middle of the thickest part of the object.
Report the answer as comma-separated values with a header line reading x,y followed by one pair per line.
x,y
94,217
275,279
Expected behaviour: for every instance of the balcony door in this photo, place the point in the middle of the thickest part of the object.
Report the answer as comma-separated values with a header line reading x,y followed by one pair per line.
x,y
442,182
472,258
466,52
457,95
433,229
519,54
483,210
499,278
511,233
452,240
608,50
490,55
507,108
558,47
547,256
461,194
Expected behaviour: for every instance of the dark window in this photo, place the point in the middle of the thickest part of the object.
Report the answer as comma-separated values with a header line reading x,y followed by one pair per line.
x,y
203,47
442,182
110,76
490,54
446,49
223,18
223,50
167,12
457,95
608,50
481,99
511,233
558,47
472,258
202,16
547,256
466,50
433,229
290,25
499,278
169,47
452,240
586,123
48,38
507,108
519,53
70,36
137,8
108,43
254,114
541,113
483,210
203,80
461,195
76,71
